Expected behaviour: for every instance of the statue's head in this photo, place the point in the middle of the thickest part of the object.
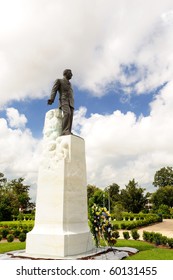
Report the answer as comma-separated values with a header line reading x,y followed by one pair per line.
x,y
68,74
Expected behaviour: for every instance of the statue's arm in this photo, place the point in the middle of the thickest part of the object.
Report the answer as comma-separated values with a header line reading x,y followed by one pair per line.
x,y
55,88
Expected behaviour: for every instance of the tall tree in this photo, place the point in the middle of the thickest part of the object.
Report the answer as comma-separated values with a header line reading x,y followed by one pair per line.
x,y
14,194
113,194
133,198
99,198
21,191
163,177
91,189
163,196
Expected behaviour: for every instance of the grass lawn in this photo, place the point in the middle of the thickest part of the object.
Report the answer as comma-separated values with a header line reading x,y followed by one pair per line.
x,y
13,246
146,251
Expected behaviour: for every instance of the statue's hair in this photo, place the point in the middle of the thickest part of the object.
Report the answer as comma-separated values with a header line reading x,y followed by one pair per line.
x,y
65,71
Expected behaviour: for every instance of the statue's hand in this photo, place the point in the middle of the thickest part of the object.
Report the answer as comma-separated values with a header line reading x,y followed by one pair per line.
x,y
49,102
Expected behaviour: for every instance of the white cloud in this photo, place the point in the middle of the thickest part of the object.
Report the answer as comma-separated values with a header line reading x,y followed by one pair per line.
x,y
15,119
120,147
38,39
20,152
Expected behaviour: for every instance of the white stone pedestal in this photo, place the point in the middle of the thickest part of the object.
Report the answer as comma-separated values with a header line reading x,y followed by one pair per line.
x,y
61,222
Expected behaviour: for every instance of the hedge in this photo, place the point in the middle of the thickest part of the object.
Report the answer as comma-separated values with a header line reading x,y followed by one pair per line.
x,y
157,239
17,231
148,220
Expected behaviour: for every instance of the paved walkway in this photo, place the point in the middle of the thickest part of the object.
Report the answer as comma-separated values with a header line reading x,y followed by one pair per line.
x,y
165,228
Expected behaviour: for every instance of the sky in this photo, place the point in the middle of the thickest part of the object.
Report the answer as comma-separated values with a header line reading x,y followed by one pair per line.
x,y
121,56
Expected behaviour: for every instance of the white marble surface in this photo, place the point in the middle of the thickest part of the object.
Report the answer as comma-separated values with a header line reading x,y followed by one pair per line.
x,y
61,223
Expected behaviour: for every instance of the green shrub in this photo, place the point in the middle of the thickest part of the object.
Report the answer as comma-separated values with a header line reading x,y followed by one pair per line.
x,y
146,235
10,237
164,240
126,235
25,230
151,237
30,227
16,232
135,235
115,226
157,238
22,236
116,234
123,226
131,225
170,242
0,237
4,232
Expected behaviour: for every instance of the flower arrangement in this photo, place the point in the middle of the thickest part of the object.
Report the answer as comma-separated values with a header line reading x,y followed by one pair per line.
x,y
101,226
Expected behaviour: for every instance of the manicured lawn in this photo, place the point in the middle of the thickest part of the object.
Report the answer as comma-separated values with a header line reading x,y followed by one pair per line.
x,y
13,246
146,251
154,254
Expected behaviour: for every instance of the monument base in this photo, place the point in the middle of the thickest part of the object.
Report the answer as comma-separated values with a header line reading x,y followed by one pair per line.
x,y
101,253
61,222
58,245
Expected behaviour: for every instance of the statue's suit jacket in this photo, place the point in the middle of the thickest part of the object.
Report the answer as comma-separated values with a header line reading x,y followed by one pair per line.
x,y
63,86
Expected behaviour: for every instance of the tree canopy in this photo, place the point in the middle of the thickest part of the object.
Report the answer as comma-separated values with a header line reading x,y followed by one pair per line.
x,y
133,198
163,196
163,177
14,196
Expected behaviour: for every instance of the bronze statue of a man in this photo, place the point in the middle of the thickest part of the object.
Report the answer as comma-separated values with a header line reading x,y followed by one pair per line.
x,y
66,100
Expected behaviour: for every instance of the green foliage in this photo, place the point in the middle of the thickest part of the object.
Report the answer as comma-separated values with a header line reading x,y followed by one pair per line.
x,y
163,177
17,229
10,237
143,220
14,195
135,235
118,211
16,232
157,238
163,196
90,191
170,242
4,231
133,198
116,234
126,235
22,237
113,195
164,209
115,226
98,198
0,237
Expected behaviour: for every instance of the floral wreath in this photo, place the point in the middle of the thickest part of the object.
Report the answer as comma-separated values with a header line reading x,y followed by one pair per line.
x,y
101,226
